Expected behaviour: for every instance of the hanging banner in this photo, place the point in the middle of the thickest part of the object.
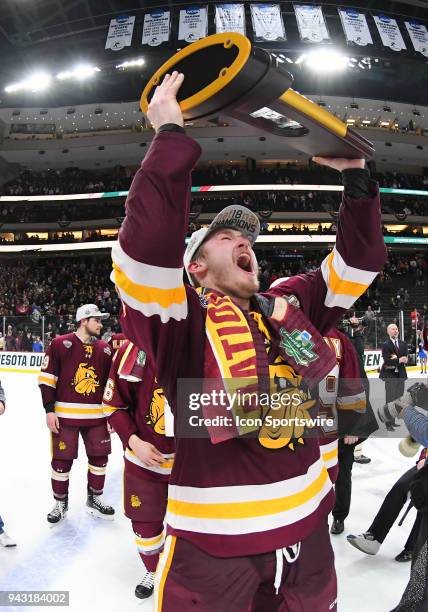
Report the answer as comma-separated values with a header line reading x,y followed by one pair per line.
x,y
355,27
193,23
230,18
156,28
419,36
389,32
267,22
311,24
120,33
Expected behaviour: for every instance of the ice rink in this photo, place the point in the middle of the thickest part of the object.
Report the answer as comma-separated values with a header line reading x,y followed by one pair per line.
x,y
96,561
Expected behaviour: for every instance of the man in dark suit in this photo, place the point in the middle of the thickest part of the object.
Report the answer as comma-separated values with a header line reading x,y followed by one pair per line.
x,y
393,371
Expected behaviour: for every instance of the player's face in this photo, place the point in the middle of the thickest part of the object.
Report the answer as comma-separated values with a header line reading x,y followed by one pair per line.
x,y
229,264
94,326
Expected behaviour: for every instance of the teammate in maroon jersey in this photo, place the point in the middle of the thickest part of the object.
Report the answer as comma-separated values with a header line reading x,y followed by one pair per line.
x,y
72,380
135,406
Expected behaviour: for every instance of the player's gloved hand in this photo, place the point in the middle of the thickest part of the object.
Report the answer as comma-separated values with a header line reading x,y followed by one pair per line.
x,y
163,107
52,422
146,452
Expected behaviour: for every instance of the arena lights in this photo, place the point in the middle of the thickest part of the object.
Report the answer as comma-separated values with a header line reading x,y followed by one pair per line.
x,y
38,81
79,72
131,64
324,61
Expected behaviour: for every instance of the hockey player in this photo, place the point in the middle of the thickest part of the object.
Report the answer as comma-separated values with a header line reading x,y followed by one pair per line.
x,y
135,406
72,380
246,515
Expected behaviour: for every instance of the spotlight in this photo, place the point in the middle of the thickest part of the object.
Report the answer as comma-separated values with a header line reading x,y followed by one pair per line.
x,y
131,64
38,81
79,72
325,60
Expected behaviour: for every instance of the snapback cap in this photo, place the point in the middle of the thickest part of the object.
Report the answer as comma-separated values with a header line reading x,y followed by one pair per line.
x,y
90,310
234,217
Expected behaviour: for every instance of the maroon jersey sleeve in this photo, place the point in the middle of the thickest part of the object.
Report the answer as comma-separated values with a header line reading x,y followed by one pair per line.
x,y
351,393
352,265
49,374
148,257
117,399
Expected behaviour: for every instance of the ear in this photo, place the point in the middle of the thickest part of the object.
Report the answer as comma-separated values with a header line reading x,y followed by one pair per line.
x,y
197,267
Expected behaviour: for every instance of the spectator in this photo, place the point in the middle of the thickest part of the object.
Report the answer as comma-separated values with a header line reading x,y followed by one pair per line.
x,y
27,342
37,345
10,340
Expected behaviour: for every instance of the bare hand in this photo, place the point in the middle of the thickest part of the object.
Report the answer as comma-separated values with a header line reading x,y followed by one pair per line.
x,y
393,356
52,422
146,452
403,359
350,439
2,408
420,464
163,107
337,163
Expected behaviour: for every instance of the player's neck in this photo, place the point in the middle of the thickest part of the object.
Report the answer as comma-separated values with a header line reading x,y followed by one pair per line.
x,y
83,335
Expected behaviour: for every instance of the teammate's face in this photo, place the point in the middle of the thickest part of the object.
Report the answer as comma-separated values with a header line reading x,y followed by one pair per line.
x,y
228,264
93,326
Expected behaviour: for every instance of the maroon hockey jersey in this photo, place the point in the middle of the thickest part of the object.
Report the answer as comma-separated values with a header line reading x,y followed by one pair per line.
x,y
73,377
135,404
236,497
116,341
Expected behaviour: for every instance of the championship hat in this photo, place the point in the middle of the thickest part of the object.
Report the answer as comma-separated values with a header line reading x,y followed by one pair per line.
x,y
234,217
90,310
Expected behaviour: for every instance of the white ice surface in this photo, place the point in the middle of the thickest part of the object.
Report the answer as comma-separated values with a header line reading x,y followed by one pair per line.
x,y
96,561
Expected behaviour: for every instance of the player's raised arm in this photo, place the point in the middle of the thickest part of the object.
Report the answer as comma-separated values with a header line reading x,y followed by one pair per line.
x,y
356,259
148,257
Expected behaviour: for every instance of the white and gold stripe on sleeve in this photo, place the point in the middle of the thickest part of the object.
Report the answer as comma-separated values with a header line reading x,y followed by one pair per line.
x,y
356,402
344,283
47,379
329,453
151,290
109,410
164,468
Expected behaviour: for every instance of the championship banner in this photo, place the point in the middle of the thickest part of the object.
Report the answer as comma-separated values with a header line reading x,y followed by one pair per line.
x,y
22,363
355,27
419,36
311,24
389,32
267,22
230,18
156,28
120,33
193,23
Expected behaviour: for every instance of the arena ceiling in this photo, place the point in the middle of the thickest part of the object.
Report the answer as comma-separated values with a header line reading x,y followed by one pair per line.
x,y
53,34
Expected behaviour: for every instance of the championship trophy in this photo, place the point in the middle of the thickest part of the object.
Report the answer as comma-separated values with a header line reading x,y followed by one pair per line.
x,y
225,75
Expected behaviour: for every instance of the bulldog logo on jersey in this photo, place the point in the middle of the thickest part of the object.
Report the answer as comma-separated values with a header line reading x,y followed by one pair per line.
x,y
85,379
156,416
135,501
62,445
284,418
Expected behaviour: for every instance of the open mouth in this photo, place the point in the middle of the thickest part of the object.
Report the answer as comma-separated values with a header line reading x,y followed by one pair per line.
x,y
244,262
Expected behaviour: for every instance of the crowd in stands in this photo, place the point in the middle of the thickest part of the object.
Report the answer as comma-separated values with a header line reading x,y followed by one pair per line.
x,y
75,180
53,288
